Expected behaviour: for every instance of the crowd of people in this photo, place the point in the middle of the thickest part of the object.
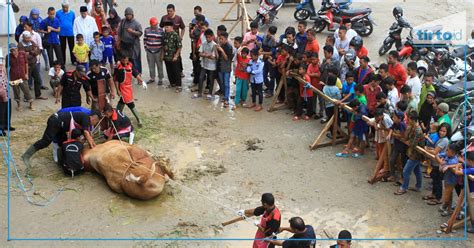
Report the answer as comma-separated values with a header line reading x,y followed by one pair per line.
x,y
401,109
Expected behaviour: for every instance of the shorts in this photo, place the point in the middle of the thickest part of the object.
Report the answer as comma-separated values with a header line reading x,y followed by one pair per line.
x,y
450,178
110,59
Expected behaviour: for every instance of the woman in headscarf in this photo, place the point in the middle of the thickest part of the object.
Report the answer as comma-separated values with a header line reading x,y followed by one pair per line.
x,y
35,19
19,29
113,20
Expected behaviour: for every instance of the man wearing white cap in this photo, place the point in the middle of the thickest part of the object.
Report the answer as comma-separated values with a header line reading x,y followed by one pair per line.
x,y
85,25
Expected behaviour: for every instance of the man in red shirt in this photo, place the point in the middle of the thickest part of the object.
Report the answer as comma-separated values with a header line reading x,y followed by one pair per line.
x,y
18,62
312,43
396,70
371,90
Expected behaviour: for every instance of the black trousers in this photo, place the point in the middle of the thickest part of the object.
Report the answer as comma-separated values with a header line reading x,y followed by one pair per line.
x,y
34,74
210,75
69,41
173,70
52,131
196,71
56,48
5,114
257,89
309,106
437,177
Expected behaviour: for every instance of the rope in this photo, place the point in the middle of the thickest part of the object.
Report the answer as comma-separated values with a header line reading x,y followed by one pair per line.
x,y
182,185
21,184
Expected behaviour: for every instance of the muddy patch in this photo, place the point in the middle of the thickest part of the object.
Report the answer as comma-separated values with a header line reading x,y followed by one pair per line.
x,y
253,144
197,169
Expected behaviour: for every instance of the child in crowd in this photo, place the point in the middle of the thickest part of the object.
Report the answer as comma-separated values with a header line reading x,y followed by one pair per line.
x,y
359,94
250,38
280,64
315,75
407,96
348,88
359,128
237,48
301,36
255,69
97,48
305,95
448,163
292,84
382,125
399,149
371,90
225,64
331,90
208,53
109,44
414,81
432,137
55,73
392,92
71,160
268,51
241,77
383,103
81,52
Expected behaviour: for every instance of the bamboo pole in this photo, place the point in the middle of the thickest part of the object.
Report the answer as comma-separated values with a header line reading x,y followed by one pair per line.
x,y
346,107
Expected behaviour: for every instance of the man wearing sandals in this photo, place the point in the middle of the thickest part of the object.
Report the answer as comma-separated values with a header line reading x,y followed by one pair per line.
x,y
171,52
415,138
153,41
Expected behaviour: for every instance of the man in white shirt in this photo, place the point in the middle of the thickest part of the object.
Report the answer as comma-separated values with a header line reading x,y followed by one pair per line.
x,y
351,33
85,25
414,81
342,42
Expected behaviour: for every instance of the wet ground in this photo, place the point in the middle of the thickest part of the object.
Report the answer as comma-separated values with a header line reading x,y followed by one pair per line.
x,y
224,161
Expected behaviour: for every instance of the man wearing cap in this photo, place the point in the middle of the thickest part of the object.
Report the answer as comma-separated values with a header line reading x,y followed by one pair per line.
x,y
32,51
59,125
85,25
153,41
301,231
268,224
349,62
129,33
70,88
66,35
442,113
50,27
18,62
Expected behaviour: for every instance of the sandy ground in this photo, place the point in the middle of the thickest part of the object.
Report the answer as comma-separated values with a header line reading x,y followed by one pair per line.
x,y
225,160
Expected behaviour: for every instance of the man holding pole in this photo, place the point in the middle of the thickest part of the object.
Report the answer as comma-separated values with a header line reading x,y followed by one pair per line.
x,y
268,224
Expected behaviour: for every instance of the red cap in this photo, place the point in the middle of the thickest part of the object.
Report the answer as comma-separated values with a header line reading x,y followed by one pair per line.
x,y
153,21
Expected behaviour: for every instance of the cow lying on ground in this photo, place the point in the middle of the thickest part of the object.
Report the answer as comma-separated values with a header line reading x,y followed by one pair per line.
x,y
129,169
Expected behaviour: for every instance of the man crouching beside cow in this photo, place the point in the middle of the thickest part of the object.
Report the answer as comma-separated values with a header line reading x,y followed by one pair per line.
x,y
127,169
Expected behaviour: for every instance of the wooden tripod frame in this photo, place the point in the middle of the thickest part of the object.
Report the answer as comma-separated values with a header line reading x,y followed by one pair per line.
x,y
452,224
281,85
242,16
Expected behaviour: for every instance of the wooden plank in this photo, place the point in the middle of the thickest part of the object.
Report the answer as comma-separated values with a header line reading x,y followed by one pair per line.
x,y
346,107
277,93
224,18
457,210
321,135
338,142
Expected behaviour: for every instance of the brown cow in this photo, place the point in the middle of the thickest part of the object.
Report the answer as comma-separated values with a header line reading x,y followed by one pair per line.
x,y
129,169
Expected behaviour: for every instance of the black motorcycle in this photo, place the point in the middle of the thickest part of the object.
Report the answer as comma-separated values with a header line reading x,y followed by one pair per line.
x,y
394,36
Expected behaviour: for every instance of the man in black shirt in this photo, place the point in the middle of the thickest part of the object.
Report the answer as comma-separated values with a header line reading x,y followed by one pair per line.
x,y
304,235
70,88
120,125
101,84
58,125
71,161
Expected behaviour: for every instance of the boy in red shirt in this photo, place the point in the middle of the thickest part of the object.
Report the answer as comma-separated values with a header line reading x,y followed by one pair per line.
x,y
370,91
280,65
305,95
241,77
315,76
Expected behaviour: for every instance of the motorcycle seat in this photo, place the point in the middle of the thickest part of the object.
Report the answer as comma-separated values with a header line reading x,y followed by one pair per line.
x,y
355,12
342,1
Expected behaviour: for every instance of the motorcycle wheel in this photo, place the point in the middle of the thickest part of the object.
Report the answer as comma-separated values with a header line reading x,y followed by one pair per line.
x,y
369,28
301,15
319,26
384,49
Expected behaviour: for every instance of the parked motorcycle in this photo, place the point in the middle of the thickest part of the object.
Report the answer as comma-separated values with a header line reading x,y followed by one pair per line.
x,y
453,92
267,11
331,16
394,35
306,9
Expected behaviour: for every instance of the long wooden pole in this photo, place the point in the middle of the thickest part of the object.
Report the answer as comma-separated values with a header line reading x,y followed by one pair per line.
x,y
346,107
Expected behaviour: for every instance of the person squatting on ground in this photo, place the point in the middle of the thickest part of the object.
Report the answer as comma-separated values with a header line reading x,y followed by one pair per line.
x,y
120,126
70,159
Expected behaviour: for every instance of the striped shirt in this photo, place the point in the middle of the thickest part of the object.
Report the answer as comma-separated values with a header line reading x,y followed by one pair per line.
x,y
153,39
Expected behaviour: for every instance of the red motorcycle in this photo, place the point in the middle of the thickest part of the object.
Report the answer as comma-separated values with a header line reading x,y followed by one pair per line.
x,y
331,16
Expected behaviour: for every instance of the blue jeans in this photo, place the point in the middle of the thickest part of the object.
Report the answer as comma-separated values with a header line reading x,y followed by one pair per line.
x,y
412,166
225,80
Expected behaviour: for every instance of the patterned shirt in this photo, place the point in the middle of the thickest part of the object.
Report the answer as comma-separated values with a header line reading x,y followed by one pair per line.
x,y
97,50
416,138
172,43
153,39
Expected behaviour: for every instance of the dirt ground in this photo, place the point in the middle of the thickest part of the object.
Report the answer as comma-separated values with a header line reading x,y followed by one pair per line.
x,y
224,161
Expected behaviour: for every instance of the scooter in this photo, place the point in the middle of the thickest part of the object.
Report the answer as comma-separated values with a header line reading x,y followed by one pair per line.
x,y
394,35
331,16
267,11
453,92
305,8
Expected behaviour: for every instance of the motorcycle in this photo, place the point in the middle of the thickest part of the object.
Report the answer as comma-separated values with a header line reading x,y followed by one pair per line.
x,y
267,11
305,8
394,35
331,16
453,92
